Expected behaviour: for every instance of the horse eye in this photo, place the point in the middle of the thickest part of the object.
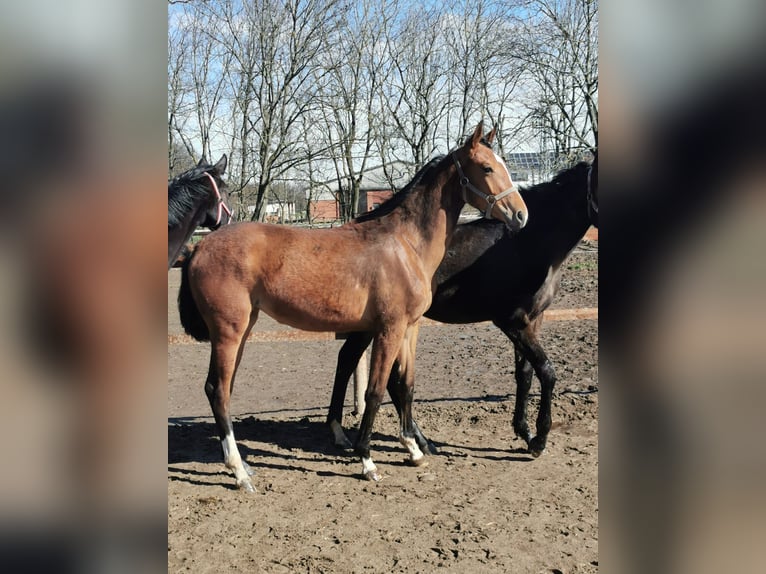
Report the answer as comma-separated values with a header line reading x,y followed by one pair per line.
x,y
487,169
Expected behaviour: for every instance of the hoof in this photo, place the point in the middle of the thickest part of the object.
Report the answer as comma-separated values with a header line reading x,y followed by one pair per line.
x,y
422,461
430,448
372,475
340,440
536,447
344,444
246,485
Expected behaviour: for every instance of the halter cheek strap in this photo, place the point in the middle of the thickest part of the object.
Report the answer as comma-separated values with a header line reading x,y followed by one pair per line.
x,y
221,203
490,200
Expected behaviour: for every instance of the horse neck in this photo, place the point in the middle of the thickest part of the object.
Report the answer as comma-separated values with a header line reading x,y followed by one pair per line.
x,y
558,220
181,232
436,209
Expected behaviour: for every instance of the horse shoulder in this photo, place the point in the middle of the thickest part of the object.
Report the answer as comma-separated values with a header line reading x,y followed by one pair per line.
x,y
415,278
545,294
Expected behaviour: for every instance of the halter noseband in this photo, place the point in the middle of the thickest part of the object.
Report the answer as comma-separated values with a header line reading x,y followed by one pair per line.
x,y
491,200
221,203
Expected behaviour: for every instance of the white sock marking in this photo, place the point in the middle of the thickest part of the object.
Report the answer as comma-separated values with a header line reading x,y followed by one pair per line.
x,y
368,465
412,446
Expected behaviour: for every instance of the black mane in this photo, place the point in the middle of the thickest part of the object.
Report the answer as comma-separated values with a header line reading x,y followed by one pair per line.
x,y
565,179
396,200
186,191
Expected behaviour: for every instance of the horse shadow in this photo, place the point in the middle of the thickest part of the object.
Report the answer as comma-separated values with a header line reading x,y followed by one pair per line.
x,y
287,442
196,441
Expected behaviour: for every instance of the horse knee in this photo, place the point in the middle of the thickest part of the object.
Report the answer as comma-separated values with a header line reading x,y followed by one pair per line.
x,y
373,397
547,374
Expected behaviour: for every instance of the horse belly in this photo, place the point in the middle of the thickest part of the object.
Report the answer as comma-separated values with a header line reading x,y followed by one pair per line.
x,y
317,310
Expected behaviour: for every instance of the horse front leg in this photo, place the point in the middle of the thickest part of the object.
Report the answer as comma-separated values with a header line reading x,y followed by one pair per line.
x,y
384,350
523,375
348,357
528,345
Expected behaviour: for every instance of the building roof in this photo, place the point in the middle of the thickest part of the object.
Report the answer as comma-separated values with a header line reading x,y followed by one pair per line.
x,y
528,160
544,160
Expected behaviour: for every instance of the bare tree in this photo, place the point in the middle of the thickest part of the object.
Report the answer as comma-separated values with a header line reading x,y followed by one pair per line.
x,y
356,64
311,90
411,100
177,92
291,35
208,64
561,54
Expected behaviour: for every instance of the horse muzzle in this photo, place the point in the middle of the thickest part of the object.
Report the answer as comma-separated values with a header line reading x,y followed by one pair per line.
x,y
515,218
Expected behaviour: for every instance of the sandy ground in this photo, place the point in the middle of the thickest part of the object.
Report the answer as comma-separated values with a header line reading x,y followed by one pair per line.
x,y
481,505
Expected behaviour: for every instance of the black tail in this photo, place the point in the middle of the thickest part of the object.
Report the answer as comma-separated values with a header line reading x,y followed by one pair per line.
x,y
191,319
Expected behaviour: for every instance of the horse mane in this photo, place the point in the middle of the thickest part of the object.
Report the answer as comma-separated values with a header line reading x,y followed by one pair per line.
x,y
398,198
186,191
564,179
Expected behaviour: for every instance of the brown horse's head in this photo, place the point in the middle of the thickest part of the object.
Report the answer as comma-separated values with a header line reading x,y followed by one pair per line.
x,y
486,181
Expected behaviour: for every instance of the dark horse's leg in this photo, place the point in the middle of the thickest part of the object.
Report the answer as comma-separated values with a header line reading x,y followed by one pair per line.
x,y
523,375
526,344
348,358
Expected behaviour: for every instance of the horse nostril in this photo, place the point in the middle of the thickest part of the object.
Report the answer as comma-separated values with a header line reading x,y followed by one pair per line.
x,y
522,217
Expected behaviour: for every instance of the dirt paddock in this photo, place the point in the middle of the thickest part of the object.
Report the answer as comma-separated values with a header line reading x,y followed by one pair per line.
x,y
481,505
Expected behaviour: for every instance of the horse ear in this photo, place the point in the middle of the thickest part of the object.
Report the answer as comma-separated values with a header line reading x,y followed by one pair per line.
x,y
491,135
221,165
477,133
202,161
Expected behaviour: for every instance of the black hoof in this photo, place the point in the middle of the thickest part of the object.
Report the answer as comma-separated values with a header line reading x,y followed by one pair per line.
x,y
536,446
344,447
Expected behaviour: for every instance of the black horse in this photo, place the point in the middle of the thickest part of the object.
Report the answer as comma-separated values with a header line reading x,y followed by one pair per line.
x,y
489,275
196,198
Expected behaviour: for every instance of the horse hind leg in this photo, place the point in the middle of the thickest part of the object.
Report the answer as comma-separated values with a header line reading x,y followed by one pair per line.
x,y
226,354
404,386
348,357
396,385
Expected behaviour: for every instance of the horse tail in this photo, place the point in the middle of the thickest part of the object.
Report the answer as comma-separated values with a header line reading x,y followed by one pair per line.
x,y
191,319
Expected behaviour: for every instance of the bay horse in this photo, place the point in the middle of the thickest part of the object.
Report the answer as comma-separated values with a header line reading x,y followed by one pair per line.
x,y
196,198
373,276
489,275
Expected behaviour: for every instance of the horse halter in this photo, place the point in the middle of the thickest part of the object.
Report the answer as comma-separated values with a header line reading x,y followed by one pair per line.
x,y
491,200
221,203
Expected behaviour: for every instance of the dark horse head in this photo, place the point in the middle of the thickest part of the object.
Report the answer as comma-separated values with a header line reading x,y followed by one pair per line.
x,y
197,197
